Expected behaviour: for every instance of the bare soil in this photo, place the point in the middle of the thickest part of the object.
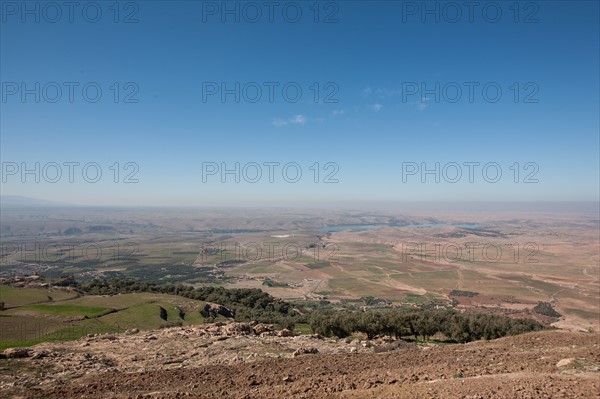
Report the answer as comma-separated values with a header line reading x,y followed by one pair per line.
x,y
225,361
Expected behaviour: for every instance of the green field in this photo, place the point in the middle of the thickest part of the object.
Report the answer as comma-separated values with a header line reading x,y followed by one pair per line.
x,y
64,310
13,296
74,318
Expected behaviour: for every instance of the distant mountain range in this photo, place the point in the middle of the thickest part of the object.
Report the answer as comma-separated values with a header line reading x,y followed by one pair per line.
x,y
18,201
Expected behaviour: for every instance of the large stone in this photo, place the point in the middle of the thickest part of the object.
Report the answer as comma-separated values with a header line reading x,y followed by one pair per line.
x,y
13,353
305,351
212,310
238,329
261,328
285,333
565,362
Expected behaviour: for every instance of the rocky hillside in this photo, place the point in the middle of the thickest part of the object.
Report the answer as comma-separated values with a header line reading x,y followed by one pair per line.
x,y
251,360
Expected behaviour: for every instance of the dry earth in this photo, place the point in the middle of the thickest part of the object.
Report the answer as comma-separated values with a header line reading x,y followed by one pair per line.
x,y
240,360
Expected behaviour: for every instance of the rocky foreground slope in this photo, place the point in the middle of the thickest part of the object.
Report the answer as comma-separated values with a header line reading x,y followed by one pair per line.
x,y
240,360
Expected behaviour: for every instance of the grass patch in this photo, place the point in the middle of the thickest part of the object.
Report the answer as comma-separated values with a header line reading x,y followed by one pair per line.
x,y
65,310
469,294
15,296
270,283
318,265
67,333
303,328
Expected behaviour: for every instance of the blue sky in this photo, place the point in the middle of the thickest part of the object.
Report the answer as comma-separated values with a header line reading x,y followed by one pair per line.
x,y
367,119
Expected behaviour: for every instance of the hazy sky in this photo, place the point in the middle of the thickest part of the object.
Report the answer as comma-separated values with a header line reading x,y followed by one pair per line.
x,y
365,93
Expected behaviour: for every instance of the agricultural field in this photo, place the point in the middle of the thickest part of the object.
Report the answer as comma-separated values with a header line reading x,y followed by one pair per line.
x,y
512,260
75,316
12,296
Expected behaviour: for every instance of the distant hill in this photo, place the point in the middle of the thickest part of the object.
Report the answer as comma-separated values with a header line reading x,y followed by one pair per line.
x,y
18,201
